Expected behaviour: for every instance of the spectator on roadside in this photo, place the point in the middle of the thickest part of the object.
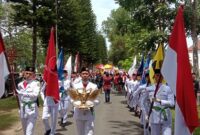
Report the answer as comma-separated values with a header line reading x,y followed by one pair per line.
x,y
195,84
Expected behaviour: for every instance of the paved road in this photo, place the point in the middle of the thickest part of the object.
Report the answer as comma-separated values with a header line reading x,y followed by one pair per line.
x,y
111,119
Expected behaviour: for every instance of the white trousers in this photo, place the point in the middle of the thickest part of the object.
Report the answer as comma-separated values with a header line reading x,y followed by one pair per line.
x,y
161,129
85,127
63,109
28,125
50,111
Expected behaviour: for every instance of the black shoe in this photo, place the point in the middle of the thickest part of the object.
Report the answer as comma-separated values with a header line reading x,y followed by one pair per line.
x,y
48,132
63,124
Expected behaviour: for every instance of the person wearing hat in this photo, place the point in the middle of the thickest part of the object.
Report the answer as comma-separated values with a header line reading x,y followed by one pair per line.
x,y
161,117
64,85
28,91
85,117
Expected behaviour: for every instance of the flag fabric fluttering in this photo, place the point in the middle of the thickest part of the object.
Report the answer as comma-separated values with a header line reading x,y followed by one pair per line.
x,y
68,67
156,62
176,70
141,68
131,70
4,72
60,64
50,70
146,69
77,62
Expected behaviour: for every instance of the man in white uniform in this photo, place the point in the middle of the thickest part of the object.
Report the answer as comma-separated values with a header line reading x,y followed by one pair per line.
x,y
50,109
64,85
161,117
28,91
85,118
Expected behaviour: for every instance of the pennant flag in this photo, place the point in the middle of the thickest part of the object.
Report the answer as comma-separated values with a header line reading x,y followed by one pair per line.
x,y
141,67
60,64
156,62
50,70
146,69
131,70
177,72
68,67
77,62
4,72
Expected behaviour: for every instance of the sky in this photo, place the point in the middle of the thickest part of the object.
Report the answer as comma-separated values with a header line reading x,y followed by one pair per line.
x,y
102,9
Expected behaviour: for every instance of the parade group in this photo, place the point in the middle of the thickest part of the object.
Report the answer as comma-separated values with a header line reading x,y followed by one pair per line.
x,y
153,111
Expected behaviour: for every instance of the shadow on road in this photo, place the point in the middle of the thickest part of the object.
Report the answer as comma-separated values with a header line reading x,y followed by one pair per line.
x,y
126,128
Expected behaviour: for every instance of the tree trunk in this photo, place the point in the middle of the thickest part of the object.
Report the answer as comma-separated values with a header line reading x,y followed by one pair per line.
x,y
194,38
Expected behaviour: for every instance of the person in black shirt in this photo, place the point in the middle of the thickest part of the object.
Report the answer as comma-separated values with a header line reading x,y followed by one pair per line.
x,y
195,84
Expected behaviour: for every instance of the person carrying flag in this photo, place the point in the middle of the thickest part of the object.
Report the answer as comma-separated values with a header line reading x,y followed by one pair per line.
x,y
28,91
64,85
161,117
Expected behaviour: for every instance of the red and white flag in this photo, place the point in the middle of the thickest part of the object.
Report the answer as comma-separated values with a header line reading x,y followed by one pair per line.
x,y
50,70
4,72
176,70
76,65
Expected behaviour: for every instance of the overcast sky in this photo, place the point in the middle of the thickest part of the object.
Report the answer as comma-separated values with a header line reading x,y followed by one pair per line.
x,y
102,9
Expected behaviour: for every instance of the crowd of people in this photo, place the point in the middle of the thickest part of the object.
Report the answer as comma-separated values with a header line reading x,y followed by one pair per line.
x,y
150,102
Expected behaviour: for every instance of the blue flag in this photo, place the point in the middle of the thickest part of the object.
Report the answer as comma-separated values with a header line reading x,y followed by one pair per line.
x,y
60,64
145,69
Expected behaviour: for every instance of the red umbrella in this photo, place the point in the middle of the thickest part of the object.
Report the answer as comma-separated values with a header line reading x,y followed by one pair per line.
x,y
99,66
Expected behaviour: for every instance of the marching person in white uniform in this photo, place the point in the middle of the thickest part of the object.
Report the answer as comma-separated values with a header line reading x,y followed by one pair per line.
x,y
161,117
50,110
64,85
28,91
85,118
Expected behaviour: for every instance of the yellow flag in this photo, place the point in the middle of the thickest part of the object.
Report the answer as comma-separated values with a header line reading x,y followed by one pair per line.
x,y
156,62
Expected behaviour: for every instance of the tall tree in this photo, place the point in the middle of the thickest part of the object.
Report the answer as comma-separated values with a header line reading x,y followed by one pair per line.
x,y
33,14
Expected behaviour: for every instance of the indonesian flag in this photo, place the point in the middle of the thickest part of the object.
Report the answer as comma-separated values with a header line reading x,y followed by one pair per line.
x,y
4,72
50,70
76,65
177,72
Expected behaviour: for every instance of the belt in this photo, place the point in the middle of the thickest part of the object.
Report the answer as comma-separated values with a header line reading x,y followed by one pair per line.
x,y
162,110
29,103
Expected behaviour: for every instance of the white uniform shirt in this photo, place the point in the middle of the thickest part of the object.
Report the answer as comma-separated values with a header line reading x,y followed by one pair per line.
x,y
27,98
165,94
80,114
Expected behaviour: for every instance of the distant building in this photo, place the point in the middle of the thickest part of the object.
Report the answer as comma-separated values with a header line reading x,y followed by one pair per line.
x,y
190,51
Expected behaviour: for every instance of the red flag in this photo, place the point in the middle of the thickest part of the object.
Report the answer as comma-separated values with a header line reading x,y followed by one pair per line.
x,y
176,70
4,72
50,70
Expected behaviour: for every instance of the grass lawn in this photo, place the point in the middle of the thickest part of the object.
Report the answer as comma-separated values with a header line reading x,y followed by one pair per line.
x,y
8,112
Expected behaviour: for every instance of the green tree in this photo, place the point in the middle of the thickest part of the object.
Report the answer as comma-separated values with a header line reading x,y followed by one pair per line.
x,y
34,14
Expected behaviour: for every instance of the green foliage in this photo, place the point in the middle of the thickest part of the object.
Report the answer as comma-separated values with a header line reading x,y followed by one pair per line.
x,y
8,104
7,120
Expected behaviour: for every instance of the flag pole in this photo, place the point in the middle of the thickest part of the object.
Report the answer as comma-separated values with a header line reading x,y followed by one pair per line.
x,y
151,107
12,77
